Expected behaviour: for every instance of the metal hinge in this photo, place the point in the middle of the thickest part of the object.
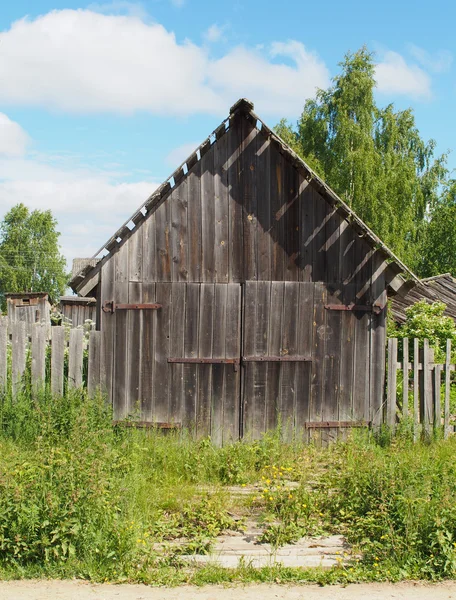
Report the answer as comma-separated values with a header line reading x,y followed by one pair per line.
x,y
372,308
111,307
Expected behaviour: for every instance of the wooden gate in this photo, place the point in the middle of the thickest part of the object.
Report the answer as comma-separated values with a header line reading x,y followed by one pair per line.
x,y
277,338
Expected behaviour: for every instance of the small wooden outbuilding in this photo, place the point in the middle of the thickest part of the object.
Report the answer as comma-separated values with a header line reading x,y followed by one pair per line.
x,y
244,293
77,309
29,307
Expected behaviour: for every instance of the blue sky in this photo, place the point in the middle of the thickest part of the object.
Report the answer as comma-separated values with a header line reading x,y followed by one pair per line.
x,y
99,102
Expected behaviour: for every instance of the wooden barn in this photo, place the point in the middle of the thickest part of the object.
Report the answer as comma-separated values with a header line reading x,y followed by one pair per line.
x,y
244,293
29,307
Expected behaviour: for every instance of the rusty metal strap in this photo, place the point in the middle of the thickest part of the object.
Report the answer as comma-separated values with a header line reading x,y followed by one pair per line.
x,y
372,308
207,361
111,307
286,358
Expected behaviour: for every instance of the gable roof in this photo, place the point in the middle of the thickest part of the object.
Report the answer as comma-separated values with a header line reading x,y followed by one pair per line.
x,y
245,108
441,288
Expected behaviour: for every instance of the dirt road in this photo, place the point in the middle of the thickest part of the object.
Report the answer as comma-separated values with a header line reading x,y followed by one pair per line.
x,y
76,590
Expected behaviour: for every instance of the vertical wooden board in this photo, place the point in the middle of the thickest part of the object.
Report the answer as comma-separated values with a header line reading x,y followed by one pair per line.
x,y
249,198
134,348
162,369
347,356
232,399
332,357
208,217
319,337
191,331
218,370
194,223
332,244
38,369
19,347
149,252
93,374
248,337
305,329
205,341
263,192
135,249
291,222
416,388
179,202
57,359
278,257
176,349
235,206
392,383
405,377
319,272
3,352
274,330
261,370
289,346
306,229
347,246
437,399
107,326
120,368
377,355
446,411
75,359
361,373
149,318
163,239
221,214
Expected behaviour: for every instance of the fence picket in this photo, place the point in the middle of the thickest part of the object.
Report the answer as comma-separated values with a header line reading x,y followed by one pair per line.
x,y
39,335
19,349
446,425
392,383
416,389
3,352
57,359
94,367
75,359
405,372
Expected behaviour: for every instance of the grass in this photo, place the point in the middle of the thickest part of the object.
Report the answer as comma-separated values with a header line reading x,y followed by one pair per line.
x,y
79,498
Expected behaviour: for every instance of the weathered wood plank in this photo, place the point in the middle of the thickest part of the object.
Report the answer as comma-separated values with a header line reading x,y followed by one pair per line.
x,y
332,357
205,341
134,349
94,366
392,383
162,368
249,197
274,325
426,389
318,352
149,253
163,240
107,325
265,217
135,250
149,318
304,327
176,348
191,330
57,359
3,352
75,359
19,347
221,212
218,370
416,388
361,371
120,341
179,217
208,217
437,401
232,400
235,208
194,223
306,229
289,346
405,374
38,367
446,421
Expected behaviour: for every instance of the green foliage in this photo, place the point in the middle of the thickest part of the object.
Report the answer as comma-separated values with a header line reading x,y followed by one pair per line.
x,y
373,157
424,320
30,258
438,249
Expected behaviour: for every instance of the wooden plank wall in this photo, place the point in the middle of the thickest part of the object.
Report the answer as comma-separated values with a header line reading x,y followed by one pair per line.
x,y
78,313
244,213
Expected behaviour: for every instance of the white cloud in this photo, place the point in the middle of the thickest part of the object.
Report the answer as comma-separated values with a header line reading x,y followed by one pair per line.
x,y
181,153
89,205
13,139
213,34
133,9
395,76
438,62
85,61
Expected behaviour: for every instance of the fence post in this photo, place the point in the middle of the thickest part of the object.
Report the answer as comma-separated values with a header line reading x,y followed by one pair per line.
x,y
19,341
39,335
405,373
93,376
57,359
392,383
426,388
437,402
416,388
446,420
3,352
75,358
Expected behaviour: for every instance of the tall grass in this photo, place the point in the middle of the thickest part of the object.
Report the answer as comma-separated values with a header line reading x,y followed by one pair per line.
x,y
79,497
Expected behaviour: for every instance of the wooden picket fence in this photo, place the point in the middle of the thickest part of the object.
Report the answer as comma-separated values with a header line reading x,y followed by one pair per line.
x,y
15,341
422,381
